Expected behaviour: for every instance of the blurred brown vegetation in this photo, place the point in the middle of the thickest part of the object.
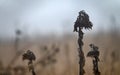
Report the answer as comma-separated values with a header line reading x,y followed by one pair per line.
x,y
58,55
64,62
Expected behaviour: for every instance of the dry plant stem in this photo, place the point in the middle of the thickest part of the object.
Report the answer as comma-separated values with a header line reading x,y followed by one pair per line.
x,y
33,72
81,54
31,68
95,66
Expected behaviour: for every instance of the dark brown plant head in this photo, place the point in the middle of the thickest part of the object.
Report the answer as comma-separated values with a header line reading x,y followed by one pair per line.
x,y
94,51
82,21
29,55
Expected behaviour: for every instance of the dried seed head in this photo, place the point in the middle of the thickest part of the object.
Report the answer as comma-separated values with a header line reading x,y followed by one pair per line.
x,y
94,51
83,21
29,55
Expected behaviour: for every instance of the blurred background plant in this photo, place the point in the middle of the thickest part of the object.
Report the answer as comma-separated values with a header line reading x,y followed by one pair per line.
x,y
30,56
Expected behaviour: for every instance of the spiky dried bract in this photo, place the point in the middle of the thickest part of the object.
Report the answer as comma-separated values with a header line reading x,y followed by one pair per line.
x,y
82,21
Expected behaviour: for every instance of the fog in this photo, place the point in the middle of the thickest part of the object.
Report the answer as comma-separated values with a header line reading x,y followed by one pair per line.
x,y
54,16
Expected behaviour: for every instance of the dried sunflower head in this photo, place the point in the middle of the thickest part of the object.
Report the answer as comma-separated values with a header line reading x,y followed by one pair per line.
x,y
82,21
94,51
29,55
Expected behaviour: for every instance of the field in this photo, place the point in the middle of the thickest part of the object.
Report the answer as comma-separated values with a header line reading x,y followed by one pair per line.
x,y
63,62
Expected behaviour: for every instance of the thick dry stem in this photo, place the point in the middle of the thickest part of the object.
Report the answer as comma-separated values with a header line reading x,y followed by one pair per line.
x,y
81,53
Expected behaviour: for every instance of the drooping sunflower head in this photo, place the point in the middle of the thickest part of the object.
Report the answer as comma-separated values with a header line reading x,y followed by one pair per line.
x,y
83,21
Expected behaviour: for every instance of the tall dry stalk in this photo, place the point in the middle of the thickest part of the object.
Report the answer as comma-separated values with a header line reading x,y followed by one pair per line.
x,y
17,39
18,33
82,22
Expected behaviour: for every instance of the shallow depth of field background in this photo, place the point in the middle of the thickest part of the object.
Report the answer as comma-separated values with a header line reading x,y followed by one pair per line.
x,y
43,26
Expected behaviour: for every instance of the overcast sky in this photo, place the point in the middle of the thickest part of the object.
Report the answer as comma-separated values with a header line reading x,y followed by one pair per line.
x,y
47,16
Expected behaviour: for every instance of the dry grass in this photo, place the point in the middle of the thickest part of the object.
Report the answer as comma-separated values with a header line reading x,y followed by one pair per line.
x,y
66,60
